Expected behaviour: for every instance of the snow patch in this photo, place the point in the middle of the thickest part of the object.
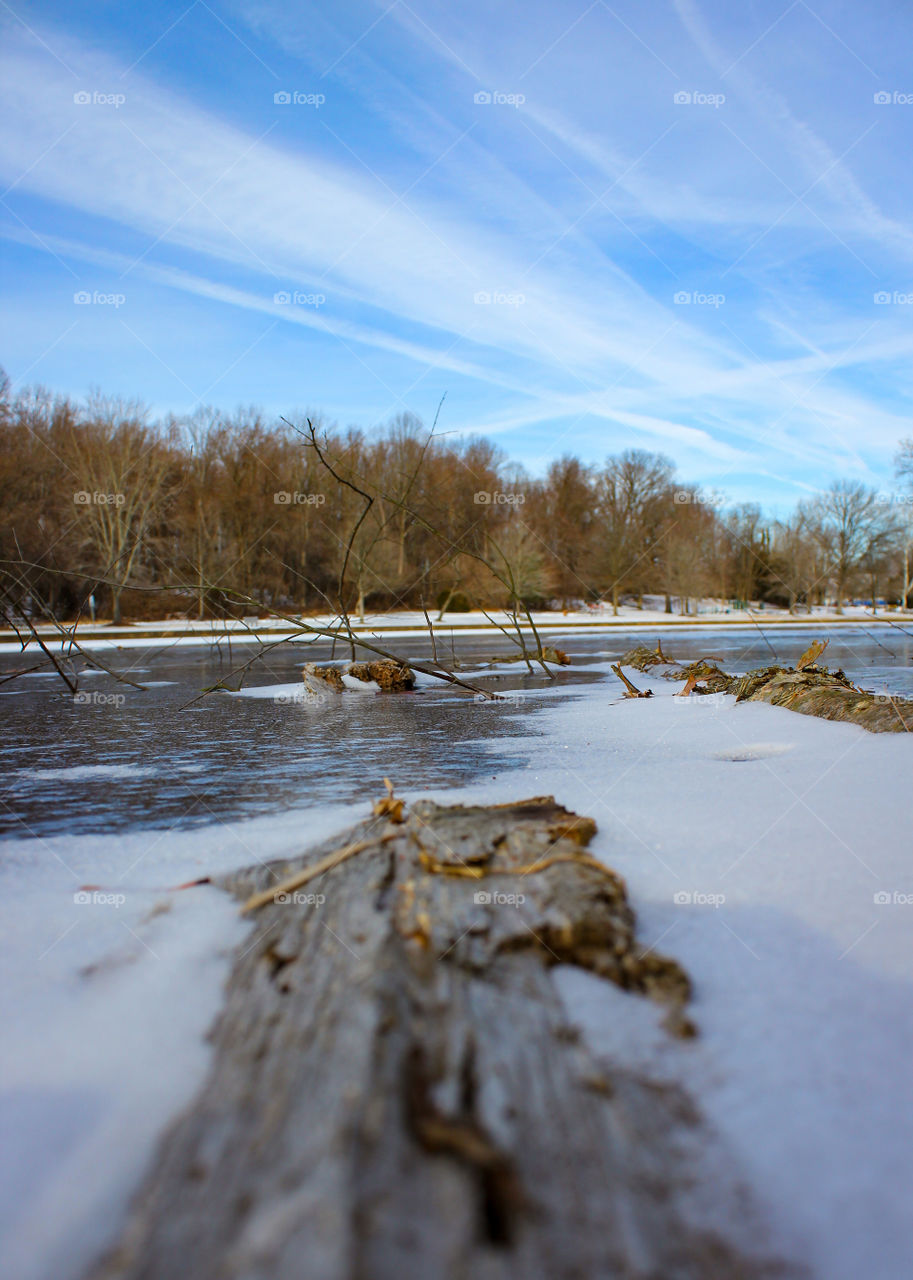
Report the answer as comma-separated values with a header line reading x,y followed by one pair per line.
x,y
107,996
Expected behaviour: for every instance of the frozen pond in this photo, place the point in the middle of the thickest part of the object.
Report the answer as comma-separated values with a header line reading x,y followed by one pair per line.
x,y
800,968
118,758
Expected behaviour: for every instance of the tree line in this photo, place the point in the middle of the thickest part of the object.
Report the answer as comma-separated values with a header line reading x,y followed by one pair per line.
x,y
218,514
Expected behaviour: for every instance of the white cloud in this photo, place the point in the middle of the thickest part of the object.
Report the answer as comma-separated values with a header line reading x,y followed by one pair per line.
x,y
174,182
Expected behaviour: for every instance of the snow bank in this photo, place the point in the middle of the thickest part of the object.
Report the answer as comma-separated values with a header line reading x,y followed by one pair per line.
x,y
106,1000
769,853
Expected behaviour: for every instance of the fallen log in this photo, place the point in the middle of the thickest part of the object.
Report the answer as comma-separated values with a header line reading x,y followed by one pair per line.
x,y
389,676
814,691
396,1093
809,688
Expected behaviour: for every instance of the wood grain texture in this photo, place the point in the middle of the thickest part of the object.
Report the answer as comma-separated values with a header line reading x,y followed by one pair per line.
x,y
396,1093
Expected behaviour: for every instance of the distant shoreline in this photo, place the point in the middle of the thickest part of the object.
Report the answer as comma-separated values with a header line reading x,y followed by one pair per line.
x,y
411,625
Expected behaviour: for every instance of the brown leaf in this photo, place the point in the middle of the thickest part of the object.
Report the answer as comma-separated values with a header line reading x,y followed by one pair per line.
x,y
811,654
389,806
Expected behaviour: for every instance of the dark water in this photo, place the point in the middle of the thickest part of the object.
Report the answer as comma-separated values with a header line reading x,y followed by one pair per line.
x,y
169,765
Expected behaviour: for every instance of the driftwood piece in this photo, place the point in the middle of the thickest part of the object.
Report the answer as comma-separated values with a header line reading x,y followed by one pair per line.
x,y
631,691
396,1093
392,677
703,674
808,688
389,676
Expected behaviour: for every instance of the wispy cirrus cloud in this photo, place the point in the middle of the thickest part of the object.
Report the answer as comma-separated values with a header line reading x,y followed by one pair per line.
x,y
578,264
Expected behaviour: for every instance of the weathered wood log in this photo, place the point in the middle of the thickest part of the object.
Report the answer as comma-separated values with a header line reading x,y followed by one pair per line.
x,y
392,677
389,676
808,688
396,1093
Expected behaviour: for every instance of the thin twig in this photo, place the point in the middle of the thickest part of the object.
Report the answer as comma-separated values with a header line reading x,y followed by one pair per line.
x,y
310,873
72,685
430,626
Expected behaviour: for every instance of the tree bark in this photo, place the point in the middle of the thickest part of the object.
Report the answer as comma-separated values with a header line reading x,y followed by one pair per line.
x,y
396,1092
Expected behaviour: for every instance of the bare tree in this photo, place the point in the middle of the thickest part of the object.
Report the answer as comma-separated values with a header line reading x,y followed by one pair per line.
x,y
798,564
627,488
686,550
747,570
853,529
568,512
221,512
124,470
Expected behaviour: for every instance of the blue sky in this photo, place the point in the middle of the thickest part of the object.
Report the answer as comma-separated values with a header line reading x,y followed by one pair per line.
x,y
662,224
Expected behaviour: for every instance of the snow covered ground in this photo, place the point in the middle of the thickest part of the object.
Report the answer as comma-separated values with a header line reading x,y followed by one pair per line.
x,y
768,852
107,996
